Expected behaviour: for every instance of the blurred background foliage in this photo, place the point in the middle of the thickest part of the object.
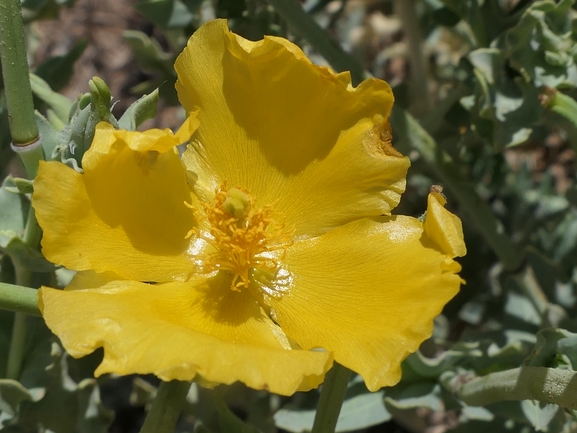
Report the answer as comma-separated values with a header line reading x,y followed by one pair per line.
x,y
485,106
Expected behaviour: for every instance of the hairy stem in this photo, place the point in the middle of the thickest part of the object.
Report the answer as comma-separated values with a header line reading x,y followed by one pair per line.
x,y
549,385
15,71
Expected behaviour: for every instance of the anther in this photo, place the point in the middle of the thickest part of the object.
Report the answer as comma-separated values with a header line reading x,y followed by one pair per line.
x,y
244,237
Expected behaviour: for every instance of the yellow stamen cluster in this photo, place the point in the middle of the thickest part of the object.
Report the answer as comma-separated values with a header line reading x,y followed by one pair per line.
x,y
244,237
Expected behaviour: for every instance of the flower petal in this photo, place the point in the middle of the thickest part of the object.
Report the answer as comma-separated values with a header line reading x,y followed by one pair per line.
x,y
126,214
161,140
444,228
177,330
289,132
90,280
368,292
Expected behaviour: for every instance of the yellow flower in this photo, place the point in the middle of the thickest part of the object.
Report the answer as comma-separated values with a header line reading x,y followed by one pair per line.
x,y
264,254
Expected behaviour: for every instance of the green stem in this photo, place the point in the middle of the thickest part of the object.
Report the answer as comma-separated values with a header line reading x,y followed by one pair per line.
x,y
17,346
19,329
33,232
166,407
332,396
30,154
549,385
304,26
27,143
15,71
475,20
420,98
19,299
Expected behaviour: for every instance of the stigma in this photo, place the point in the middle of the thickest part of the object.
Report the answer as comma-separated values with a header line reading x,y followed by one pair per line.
x,y
243,237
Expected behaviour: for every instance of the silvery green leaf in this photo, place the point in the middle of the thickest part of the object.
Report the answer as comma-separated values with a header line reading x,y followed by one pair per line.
x,y
554,348
358,412
142,109
51,136
541,45
433,367
520,307
13,207
60,104
510,104
477,413
66,406
416,395
12,393
28,257
149,54
539,414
